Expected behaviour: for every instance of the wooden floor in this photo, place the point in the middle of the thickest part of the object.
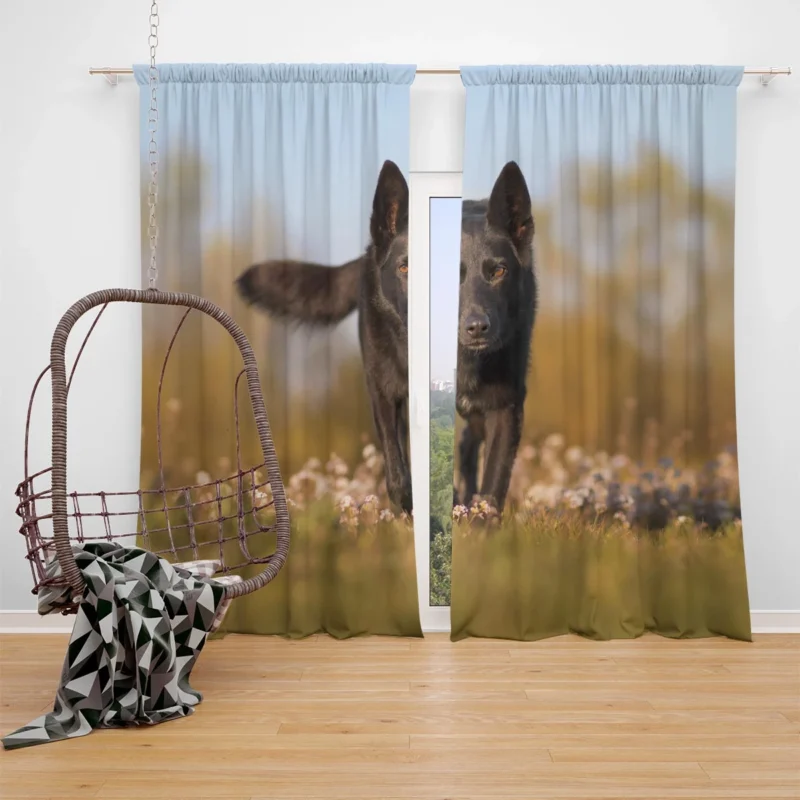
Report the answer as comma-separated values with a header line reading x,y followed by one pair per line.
x,y
377,718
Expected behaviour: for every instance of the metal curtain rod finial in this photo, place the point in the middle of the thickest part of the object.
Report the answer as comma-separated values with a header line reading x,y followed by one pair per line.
x,y
767,73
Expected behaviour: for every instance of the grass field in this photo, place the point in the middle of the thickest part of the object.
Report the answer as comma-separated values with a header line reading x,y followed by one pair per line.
x,y
344,578
600,545
351,567
537,576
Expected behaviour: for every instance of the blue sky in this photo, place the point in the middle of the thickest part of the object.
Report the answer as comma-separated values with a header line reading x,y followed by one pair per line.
x,y
445,244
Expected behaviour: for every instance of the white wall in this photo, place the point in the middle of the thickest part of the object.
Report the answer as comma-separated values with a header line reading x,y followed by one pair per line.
x,y
70,217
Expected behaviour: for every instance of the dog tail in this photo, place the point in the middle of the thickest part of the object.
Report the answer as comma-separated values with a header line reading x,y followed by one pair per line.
x,y
310,294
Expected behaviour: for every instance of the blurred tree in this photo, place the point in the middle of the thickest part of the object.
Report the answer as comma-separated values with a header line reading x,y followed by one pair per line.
x,y
441,482
313,382
634,336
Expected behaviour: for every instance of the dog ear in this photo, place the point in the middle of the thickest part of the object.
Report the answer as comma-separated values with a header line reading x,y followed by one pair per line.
x,y
510,206
389,206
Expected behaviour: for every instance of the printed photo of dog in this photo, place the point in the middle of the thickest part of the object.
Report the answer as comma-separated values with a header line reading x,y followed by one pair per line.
x,y
375,285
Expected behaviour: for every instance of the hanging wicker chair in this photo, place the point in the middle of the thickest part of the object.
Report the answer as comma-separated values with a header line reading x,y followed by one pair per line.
x,y
181,523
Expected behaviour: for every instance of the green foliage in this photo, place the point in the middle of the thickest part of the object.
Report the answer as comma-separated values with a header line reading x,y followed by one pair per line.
x,y
441,483
441,559
441,468
443,407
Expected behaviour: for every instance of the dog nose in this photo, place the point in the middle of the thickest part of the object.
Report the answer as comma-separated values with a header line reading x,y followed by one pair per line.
x,y
477,325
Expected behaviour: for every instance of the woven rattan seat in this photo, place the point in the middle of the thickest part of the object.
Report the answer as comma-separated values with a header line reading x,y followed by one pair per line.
x,y
233,521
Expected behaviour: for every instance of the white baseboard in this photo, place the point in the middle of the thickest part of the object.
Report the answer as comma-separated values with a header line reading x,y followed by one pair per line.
x,y
775,621
31,622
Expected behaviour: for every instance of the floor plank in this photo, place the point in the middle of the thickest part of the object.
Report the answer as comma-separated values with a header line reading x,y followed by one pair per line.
x,y
383,718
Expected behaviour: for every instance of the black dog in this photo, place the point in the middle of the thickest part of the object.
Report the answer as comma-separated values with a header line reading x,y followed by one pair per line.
x,y
497,310
377,285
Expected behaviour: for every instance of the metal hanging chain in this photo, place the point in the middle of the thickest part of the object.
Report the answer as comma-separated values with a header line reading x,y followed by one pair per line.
x,y
152,126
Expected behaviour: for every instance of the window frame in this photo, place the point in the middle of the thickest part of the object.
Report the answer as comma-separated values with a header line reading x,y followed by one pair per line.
x,y
423,187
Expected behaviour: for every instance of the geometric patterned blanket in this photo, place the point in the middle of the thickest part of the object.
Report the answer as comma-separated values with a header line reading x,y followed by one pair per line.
x,y
139,629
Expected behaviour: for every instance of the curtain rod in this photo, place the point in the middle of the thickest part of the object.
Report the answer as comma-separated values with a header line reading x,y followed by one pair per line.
x,y
767,73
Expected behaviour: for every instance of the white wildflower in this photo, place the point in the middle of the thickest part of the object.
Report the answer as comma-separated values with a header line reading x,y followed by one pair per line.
x,y
306,482
538,493
265,496
619,462
336,465
574,498
548,458
541,494
573,455
486,508
725,459
555,441
559,475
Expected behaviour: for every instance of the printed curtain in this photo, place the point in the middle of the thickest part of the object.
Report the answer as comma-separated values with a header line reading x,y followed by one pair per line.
x,y
596,478
283,198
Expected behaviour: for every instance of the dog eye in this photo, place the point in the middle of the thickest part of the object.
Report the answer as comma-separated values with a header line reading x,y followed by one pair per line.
x,y
499,272
403,268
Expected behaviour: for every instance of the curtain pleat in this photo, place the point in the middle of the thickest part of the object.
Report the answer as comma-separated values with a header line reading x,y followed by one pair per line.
x,y
261,162
623,512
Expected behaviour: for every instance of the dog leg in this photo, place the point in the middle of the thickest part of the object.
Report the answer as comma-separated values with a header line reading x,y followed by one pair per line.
x,y
403,442
468,450
503,433
387,423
